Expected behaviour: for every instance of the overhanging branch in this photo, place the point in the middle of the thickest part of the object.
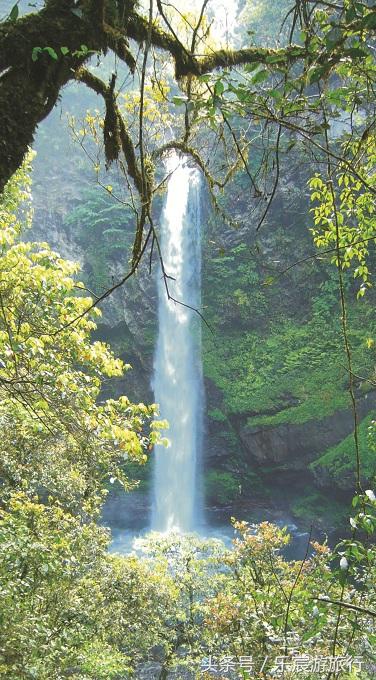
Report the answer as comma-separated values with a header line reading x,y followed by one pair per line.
x,y
105,91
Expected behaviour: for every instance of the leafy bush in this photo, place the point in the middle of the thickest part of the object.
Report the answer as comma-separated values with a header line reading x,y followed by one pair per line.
x,y
221,487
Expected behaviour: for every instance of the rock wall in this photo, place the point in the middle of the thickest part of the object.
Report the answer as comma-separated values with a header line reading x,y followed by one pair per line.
x,y
294,446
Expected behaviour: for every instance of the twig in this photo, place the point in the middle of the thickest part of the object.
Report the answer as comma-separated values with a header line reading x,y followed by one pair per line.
x,y
276,180
346,605
318,255
109,291
289,599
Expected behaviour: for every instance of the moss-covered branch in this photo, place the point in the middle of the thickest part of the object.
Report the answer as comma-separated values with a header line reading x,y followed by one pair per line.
x,y
116,138
188,64
118,44
115,130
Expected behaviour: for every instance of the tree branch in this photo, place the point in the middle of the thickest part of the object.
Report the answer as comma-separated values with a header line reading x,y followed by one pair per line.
x,y
347,605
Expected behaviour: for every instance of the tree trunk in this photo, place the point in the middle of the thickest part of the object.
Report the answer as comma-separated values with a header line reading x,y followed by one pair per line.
x,y
30,83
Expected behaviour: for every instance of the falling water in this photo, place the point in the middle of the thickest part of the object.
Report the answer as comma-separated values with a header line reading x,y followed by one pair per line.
x,y
177,365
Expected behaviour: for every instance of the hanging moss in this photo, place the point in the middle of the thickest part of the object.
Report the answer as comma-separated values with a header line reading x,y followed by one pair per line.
x,y
111,134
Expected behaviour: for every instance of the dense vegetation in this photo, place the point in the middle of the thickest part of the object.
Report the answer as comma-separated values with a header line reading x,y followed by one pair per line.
x,y
276,336
284,135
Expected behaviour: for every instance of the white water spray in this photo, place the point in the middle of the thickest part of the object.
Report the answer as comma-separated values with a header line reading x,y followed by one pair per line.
x,y
178,385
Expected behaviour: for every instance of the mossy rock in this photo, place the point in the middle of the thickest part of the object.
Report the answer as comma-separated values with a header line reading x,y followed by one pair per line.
x,y
339,462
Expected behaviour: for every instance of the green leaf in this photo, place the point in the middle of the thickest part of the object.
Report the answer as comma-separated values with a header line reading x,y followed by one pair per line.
x,y
275,58
357,52
64,50
315,74
369,20
350,14
333,37
179,101
77,12
260,76
296,51
14,12
249,68
205,78
35,53
276,94
218,88
51,52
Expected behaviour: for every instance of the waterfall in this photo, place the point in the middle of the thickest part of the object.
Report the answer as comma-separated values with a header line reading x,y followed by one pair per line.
x,y
178,384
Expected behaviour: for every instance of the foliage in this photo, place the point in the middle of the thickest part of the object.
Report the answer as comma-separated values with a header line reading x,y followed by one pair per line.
x,y
60,448
250,602
276,609
15,211
217,414
68,607
193,568
50,379
232,288
276,376
88,614
315,507
286,87
156,111
221,487
338,461
348,213
102,226
268,356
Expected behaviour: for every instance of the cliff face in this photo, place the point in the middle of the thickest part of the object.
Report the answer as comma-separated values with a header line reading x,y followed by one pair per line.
x,y
295,445
276,385
279,416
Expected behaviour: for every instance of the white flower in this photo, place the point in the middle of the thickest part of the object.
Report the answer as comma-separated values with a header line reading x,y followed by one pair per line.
x,y
343,563
315,612
112,480
370,494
